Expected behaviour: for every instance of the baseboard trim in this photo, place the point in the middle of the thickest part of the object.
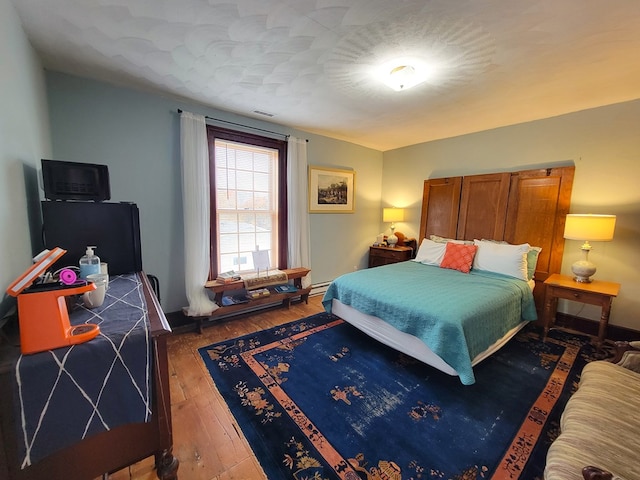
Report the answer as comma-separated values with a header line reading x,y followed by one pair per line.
x,y
590,327
181,323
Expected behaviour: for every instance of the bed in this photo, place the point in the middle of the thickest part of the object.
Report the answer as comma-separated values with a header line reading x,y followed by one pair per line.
x,y
441,314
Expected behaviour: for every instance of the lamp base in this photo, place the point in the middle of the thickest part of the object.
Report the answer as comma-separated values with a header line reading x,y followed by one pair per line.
x,y
392,240
583,270
582,279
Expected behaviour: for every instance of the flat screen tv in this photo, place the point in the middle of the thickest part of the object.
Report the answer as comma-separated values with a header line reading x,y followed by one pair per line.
x,y
75,181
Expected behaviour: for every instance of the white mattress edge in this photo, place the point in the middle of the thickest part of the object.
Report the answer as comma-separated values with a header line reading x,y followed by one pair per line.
x,y
406,343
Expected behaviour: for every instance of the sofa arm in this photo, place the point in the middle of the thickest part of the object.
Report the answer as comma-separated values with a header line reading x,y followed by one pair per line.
x,y
627,355
595,473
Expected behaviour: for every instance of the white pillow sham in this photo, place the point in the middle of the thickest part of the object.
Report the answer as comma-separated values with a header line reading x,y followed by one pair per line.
x,y
532,257
439,239
502,258
430,252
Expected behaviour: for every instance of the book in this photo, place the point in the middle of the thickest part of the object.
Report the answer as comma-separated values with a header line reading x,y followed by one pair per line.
x,y
286,288
258,293
228,277
228,300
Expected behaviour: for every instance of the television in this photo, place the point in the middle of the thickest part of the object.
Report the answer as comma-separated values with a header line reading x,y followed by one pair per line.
x,y
75,181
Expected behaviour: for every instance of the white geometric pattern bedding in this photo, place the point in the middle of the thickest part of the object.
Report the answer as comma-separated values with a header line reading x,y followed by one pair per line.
x,y
67,394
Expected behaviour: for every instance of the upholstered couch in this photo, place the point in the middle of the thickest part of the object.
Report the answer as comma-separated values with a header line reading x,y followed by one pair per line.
x,y
600,426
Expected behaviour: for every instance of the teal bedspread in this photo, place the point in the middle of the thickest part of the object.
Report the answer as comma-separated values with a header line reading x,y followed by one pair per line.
x,y
456,315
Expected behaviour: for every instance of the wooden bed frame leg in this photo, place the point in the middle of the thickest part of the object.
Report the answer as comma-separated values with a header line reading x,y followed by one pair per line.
x,y
167,466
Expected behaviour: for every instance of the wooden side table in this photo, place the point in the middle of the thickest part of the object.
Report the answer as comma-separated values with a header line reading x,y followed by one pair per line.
x,y
385,255
595,293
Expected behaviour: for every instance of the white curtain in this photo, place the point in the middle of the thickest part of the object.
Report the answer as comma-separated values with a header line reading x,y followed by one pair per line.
x,y
195,205
299,234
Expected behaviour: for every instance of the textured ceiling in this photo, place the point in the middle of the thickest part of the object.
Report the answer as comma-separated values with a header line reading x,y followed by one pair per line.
x,y
309,62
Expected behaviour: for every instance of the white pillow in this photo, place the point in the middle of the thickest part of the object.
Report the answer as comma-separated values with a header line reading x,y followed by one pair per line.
x,y
439,239
430,252
502,258
532,257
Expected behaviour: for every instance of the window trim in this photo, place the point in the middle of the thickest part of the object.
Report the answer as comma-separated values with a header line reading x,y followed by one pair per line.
x,y
220,133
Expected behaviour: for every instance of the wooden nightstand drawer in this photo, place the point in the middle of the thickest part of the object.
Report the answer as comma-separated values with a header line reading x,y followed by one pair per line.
x,y
392,254
583,297
386,255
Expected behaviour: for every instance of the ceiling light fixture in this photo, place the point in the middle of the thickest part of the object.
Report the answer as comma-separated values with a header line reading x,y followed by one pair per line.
x,y
403,74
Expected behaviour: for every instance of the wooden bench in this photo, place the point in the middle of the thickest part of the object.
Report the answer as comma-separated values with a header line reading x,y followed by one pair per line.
x,y
219,290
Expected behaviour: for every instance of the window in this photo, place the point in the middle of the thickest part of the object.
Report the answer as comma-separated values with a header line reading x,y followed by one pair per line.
x,y
248,199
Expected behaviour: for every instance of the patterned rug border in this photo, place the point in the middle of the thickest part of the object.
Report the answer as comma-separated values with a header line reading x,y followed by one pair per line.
x,y
524,441
509,467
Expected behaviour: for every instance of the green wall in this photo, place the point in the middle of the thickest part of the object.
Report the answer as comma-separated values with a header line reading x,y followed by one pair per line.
x,y
137,135
24,139
603,144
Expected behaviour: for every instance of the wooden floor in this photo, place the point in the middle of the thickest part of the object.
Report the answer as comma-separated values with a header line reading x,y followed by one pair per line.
x,y
206,438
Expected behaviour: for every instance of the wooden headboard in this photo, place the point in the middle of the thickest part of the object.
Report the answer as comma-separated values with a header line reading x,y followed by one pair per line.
x,y
528,206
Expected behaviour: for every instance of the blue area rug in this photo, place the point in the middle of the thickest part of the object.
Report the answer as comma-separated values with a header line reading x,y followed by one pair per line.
x,y
318,399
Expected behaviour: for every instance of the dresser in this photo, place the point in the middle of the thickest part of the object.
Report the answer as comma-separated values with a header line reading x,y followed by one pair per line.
x,y
130,306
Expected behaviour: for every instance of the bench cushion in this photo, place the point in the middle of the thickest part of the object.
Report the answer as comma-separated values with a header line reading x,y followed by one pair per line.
x,y
600,425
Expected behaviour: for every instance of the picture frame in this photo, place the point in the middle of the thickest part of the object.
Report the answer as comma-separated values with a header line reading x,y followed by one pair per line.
x,y
331,190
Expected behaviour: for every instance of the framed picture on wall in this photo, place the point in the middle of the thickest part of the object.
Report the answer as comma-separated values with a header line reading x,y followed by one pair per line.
x,y
331,190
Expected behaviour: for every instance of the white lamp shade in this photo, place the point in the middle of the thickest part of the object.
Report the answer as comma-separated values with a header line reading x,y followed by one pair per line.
x,y
392,214
598,228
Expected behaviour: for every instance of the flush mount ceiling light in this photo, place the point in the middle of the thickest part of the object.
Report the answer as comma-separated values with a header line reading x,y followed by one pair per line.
x,y
442,52
402,74
402,77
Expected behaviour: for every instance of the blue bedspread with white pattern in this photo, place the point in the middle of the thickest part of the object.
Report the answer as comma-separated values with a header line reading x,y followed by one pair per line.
x,y
456,315
70,393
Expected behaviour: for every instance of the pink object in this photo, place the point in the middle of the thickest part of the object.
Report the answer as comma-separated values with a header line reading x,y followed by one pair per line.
x,y
68,277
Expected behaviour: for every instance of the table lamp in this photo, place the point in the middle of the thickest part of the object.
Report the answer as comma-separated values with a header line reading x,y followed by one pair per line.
x,y
588,227
392,215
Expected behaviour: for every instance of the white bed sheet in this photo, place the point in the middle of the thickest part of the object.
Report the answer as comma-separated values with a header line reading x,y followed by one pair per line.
x,y
409,344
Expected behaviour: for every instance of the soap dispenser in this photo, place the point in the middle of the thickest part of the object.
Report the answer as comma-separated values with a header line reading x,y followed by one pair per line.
x,y
89,263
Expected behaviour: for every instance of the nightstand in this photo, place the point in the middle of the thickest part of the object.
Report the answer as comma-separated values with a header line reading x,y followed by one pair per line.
x,y
385,255
595,293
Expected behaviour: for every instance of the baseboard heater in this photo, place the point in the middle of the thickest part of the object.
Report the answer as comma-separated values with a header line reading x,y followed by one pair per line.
x,y
319,288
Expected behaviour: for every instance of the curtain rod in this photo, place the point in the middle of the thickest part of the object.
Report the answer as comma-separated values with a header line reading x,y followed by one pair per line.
x,y
243,126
